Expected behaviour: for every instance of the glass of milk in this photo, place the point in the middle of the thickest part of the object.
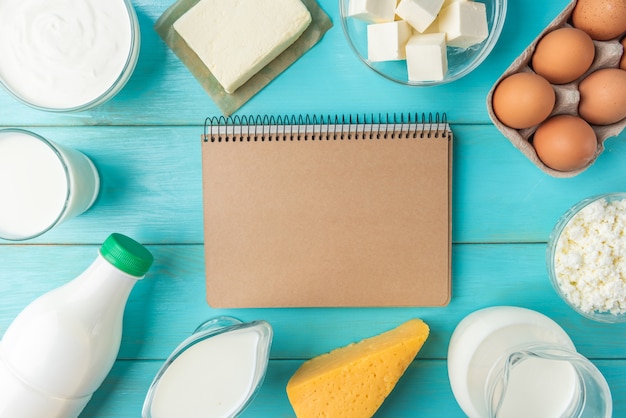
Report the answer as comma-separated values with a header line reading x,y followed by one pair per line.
x,y
67,55
41,184
511,362
216,372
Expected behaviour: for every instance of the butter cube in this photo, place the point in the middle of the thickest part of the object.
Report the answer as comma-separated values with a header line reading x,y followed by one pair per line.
x,y
235,39
433,28
387,41
353,381
419,13
426,57
375,11
464,22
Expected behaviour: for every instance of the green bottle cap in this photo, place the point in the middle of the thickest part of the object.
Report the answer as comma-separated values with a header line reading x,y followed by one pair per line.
x,y
126,254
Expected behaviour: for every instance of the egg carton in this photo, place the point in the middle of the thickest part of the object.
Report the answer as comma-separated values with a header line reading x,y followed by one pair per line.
x,y
607,55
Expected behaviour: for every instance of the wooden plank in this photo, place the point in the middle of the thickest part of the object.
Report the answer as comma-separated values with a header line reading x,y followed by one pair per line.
x,y
151,186
422,391
169,304
328,79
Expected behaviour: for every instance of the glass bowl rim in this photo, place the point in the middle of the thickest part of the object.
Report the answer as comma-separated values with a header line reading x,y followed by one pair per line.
x,y
66,172
218,325
113,89
500,8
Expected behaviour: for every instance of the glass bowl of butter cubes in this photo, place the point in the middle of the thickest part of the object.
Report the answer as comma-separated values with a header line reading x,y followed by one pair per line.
x,y
586,257
422,42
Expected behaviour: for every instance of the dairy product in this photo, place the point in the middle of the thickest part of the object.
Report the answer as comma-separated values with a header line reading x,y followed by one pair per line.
x,y
60,348
66,54
41,184
353,381
419,13
590,257
539,388
426,57
387,41
464,23
214,373
236,39
373,10
512,362
212,378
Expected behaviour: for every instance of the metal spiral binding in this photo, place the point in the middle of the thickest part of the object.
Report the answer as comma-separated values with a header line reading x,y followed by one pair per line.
x,y
311,128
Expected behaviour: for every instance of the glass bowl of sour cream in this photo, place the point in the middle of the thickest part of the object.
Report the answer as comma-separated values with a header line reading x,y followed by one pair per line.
x,y
67,56
384,49
586,257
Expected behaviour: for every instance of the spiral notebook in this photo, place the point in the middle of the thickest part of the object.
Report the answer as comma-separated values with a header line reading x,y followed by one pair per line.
x,y
327,211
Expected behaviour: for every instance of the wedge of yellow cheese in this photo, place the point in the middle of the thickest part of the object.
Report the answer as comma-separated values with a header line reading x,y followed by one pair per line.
x,y
353,381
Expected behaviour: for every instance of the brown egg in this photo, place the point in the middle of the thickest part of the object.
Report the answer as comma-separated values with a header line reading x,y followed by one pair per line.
x,y
622,63
601,19
523,100
603,96
563,55
565,143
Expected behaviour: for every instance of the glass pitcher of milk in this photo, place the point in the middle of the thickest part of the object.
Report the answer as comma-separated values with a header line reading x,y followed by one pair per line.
x,y
216,372
511,362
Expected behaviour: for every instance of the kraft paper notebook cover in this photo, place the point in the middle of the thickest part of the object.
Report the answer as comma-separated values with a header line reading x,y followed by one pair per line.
x,y
327,212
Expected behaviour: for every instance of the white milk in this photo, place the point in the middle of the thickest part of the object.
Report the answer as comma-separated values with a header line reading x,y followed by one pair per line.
x,y
212,378
41,184
59,349
538,387
65,54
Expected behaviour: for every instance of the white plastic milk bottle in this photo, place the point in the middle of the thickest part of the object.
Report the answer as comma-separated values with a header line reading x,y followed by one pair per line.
x,y
60,348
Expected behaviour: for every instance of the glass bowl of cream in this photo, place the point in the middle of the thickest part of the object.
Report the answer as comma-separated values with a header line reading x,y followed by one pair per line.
x,y
67,56
381,40
586,257
216,372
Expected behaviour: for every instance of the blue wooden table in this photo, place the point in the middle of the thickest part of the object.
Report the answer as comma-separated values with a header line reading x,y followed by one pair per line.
x,y
146,145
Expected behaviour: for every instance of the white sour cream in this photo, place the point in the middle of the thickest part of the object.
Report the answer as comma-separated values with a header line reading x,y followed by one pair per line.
x,y
66,54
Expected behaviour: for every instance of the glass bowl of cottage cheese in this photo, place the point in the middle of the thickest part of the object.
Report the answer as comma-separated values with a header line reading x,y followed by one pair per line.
x,y
425,44
586,257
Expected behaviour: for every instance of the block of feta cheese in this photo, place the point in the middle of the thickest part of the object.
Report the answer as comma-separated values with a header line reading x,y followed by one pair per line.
x,y
353,381
426,57
375,11
464,22
387,41
419,13
235,39
433,28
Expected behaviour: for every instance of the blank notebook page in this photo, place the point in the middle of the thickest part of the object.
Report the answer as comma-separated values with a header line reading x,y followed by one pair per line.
x,y
328,222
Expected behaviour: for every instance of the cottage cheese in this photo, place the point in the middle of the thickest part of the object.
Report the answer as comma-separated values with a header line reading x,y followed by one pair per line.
x,y
590,258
